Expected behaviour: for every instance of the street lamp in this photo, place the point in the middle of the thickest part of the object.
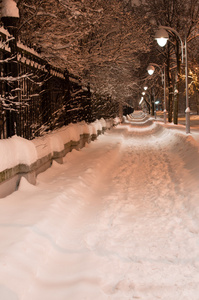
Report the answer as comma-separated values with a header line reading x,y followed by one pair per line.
x,y
151,70
143,98
161,35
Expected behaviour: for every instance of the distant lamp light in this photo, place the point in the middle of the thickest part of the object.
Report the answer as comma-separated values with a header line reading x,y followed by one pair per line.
x,y
143,93
150,69
145,88
175,92
161,37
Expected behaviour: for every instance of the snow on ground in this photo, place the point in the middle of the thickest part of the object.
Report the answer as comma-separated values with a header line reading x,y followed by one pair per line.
x,y
118,220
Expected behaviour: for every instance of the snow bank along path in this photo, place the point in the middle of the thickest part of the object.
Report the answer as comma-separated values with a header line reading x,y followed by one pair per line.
x,y
118,220
26,158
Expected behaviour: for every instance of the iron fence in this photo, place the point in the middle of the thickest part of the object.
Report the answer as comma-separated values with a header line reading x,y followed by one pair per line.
x,y
36,97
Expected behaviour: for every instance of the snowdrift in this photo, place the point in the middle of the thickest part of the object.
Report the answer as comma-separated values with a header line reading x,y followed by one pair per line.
x,y
22,157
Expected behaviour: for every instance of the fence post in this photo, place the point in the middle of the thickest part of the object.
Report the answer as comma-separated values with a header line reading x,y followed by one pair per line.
x,y
11,24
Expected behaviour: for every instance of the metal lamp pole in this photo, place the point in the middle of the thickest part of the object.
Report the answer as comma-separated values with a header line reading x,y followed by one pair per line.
x,y
162,35
151,70
165,109
187,111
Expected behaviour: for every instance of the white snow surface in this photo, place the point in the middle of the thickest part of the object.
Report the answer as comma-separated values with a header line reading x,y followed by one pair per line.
x,y
9,9
118,220
15,151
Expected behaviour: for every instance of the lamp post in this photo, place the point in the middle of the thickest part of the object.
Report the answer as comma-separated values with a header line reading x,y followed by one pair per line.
x,y
162,37
143,98
151,70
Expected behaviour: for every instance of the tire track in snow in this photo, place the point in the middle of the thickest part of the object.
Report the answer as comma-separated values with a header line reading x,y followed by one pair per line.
x,y
116,223
148,218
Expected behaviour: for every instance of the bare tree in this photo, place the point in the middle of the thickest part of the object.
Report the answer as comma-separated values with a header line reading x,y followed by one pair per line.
x,y
97,40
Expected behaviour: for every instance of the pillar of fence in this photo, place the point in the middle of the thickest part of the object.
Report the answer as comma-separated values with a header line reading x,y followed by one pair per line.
x,y
10,19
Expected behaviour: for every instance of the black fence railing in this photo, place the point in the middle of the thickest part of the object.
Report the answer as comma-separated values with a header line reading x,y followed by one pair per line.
x,y
36,97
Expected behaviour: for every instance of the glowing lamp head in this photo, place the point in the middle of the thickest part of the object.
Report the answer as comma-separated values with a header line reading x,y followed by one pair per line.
x,y
161,41
150,69
161,37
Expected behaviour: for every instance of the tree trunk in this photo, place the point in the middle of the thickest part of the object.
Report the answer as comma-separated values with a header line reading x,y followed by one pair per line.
x,y
170,99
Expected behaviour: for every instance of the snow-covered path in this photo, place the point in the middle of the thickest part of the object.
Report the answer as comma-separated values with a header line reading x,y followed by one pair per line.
x,y
118,220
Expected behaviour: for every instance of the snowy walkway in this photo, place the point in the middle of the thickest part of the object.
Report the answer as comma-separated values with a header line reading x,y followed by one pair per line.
x,y
118,220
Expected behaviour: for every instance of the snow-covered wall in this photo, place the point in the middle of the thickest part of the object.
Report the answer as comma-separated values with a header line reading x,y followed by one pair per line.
x,y
21,157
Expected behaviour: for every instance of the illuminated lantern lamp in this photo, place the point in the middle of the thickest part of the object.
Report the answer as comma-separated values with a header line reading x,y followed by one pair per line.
x,y
150,69
161,37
